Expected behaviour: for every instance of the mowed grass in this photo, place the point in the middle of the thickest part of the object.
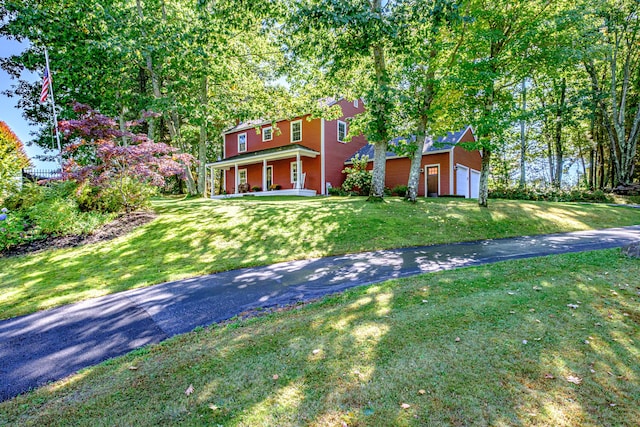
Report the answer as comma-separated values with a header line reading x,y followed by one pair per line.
x,y
195,237
490,345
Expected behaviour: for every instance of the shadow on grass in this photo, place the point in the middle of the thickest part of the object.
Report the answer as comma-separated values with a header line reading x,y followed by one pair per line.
x,y
195,237
355,358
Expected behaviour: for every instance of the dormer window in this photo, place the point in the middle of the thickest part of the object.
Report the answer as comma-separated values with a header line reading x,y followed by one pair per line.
x,y
355,103
242,143
296,131
267,134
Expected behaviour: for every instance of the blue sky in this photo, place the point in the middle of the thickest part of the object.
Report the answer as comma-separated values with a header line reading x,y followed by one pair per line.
x,y
11,115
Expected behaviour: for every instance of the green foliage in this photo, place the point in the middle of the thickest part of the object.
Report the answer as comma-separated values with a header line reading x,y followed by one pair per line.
x,y
30,194
399,190
38,212
358,178
12,160
337,191
110,199
550,195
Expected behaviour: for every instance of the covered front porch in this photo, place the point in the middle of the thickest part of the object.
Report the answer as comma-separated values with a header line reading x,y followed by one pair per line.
x,y
275,171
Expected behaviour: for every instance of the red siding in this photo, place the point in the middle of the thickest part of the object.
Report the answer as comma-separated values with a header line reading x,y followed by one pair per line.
x,y
398,171
336,153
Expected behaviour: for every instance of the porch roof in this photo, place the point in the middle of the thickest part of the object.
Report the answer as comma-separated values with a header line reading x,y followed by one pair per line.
x,y
276,153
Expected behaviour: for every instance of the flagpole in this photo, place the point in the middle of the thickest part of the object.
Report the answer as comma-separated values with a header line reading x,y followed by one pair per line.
x,y
53,107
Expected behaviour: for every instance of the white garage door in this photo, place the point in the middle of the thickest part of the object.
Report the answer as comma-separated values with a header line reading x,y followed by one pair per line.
x,y
462,181
475,184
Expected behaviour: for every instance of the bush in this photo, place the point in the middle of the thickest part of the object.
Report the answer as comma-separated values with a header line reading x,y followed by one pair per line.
x,y
358,181
46,211
275,187
256,188
30,194
399,190
110,199
550,195
337,191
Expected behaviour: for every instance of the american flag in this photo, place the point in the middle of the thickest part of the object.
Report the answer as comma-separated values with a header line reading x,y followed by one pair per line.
x,y
46,81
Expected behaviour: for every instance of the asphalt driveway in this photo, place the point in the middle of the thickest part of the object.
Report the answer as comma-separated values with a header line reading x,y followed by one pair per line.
x,y
50,345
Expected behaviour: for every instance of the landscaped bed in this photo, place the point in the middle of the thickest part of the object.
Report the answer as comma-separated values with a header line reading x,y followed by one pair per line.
x,y
196,236
545,341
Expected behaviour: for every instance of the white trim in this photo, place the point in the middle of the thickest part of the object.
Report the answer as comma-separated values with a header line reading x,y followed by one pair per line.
x,y
426,177
452,190
245,126
270,128
291,131
224,146
257,158
464,133
245,142
264,175
323,176
340,122
355,103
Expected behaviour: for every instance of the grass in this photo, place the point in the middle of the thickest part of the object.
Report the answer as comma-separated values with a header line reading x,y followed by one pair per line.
x,y
490,345
195,237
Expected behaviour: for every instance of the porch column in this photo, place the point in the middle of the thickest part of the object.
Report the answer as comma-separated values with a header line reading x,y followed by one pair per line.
x,y
298,171
212,190
264,175
235,191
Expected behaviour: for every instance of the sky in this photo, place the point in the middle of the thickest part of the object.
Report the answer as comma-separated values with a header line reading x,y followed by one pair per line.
x,y
11,115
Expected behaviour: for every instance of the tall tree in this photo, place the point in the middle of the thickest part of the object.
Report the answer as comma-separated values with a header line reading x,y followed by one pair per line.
x,y
349,41
612,61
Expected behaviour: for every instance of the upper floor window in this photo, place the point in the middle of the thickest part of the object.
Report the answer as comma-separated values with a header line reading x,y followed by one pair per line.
x,y
342,131
296,131
267,134
242,142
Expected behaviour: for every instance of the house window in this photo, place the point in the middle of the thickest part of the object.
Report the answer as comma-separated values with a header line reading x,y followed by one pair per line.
x,y
267,134
342,131
242,142
294,172
242,176
296,131
355,103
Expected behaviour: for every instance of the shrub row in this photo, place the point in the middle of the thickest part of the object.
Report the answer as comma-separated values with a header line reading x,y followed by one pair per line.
x,y
550,195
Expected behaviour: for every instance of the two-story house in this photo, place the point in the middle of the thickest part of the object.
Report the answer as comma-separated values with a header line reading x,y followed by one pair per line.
x,y
306,156
301,156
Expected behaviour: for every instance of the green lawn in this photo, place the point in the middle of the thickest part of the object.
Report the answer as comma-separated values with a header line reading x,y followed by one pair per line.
x,y
490,345
195,237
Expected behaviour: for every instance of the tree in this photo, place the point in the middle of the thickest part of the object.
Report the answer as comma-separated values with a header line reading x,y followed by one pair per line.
x,y
12,160
613,64
97,157
503,42
425,47
348,41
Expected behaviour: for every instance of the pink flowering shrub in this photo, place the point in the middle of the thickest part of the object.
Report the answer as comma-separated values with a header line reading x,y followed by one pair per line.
x,y
116,163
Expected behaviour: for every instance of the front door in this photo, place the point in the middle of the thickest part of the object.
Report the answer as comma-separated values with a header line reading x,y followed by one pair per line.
x,y
432,181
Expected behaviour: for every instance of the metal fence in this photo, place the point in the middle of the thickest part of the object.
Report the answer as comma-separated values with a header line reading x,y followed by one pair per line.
x,y
32,174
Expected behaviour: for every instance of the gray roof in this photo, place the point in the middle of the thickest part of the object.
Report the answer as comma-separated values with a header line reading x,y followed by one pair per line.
x,y
443,143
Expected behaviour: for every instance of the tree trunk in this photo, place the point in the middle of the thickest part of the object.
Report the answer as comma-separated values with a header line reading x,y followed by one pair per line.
x,y
380,110
202,143
416,161
523,143
558,147
484,178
